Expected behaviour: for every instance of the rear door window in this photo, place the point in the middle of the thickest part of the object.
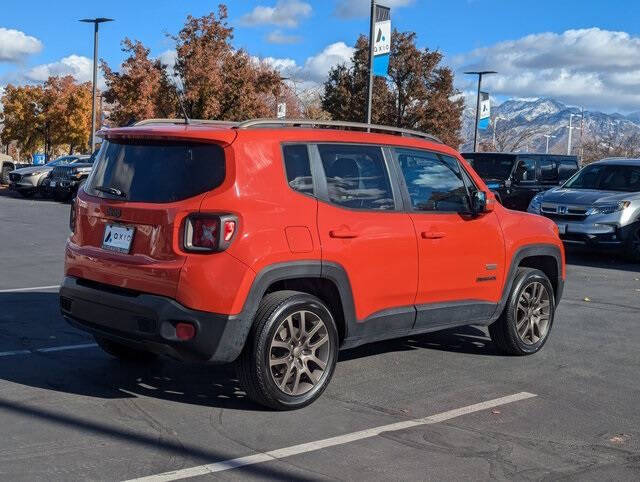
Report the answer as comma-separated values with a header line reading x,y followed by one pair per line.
x,y
357,176
548,170
156,171
298,167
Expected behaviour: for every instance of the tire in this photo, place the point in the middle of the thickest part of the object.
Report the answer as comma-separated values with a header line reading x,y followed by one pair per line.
x,y
27,194
4,175
508,332
632,247
298,380
60,197
123,352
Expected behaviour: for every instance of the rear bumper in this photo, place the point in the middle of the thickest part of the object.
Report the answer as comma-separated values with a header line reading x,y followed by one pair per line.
x,y
147,322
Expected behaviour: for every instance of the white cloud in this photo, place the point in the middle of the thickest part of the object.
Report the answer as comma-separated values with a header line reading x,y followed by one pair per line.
x,y
592,67
168,58
277,37
77,65
318,66
285,13
315,68
16,45
362,8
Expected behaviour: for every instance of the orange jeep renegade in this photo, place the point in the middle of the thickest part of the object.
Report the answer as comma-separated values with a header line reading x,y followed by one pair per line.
x,y
275,244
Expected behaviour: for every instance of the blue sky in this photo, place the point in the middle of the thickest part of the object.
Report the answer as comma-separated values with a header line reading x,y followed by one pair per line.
x,y
583,52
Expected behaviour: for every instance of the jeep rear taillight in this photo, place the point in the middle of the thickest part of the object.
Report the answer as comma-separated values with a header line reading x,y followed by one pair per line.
x,y
209,233
72,217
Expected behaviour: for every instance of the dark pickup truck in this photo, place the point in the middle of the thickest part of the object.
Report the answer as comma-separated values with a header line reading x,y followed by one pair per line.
x,y
517,178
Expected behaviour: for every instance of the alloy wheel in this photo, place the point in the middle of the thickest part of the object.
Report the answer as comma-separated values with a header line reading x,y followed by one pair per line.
x,y
299,353
533,313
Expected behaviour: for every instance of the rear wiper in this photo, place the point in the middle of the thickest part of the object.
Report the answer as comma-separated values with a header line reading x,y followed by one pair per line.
x,y
110,190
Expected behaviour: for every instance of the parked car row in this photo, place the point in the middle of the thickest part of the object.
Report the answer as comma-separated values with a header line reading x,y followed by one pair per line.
x,y
58,179
596,207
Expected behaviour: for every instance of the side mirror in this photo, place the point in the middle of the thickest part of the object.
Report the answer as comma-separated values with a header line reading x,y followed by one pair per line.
x,y
480,203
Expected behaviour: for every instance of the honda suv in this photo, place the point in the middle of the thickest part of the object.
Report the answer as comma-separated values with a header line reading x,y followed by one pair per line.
x,y
599,207
275,244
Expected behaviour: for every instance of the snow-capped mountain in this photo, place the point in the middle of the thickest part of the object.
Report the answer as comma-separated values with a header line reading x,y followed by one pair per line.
x,y
522,124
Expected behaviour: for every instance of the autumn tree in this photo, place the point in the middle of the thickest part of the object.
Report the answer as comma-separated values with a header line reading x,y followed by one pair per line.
x,y
220,82
418,93
20,117
141,90
611,145
47,116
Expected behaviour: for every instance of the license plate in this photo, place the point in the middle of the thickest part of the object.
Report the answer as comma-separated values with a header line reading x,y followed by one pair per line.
x,y
53,184
562,228
117,238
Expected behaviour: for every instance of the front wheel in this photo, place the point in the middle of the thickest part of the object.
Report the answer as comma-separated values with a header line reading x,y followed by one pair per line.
x,y
524,325
291,352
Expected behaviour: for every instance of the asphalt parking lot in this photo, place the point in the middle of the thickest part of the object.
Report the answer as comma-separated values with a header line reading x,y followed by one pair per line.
x,y
401,410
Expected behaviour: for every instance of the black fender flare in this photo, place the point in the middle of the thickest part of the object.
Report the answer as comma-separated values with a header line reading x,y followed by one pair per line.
x,y
296,270
527,251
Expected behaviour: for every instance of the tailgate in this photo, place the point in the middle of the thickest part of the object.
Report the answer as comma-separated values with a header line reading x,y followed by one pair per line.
x,y
154,260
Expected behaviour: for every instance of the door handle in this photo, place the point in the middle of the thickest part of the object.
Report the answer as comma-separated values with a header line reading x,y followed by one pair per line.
x,y
342,234
432,235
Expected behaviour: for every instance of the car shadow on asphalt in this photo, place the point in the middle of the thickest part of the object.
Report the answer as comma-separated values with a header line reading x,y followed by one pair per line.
x,y
8,193
467,339
598,259
29,318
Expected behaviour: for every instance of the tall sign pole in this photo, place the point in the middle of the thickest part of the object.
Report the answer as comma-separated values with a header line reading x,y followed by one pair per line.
x,y
96,22
379,48
372,32
475,130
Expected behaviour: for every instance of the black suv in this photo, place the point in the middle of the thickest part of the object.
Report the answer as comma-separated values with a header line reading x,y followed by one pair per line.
x,y
517,178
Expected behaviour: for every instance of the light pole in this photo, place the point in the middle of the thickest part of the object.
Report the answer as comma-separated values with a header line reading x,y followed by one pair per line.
x,y
571,127
495,127
475,131
548,136
95,22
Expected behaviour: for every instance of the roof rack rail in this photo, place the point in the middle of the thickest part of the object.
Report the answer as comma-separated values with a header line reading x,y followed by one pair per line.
x,y
181,121
337,124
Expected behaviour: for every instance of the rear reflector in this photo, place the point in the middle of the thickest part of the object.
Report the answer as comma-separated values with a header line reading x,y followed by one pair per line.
x,y
185,331
229,229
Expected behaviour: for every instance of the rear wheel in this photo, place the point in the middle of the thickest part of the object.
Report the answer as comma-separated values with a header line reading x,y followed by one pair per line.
x,y
524,325
291,352
123,352
4,175
633,244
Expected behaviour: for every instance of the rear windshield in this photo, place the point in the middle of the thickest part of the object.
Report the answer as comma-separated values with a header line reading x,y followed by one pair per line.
x,y
156,171
491,166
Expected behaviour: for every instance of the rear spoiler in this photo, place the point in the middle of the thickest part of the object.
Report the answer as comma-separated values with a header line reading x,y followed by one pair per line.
x,y
194,133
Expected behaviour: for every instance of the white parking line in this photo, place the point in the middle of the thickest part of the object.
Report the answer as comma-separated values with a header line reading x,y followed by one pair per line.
x,y
36,288
48,350
329,442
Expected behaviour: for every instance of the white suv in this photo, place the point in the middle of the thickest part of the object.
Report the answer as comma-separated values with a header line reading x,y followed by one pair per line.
x,y
599,206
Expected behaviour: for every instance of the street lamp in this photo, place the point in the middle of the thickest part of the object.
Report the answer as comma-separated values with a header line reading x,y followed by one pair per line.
x,y
479,74
548,136
283,80
495,127
571,127
95,22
